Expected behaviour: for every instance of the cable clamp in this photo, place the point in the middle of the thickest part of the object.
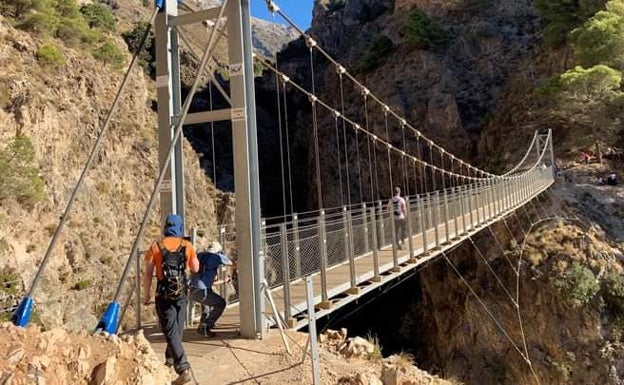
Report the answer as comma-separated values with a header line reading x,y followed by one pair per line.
x,y
403,122
340,69
272,6
365,91
357,126
336,114
374,137
386,109
312,98
310,42
285,78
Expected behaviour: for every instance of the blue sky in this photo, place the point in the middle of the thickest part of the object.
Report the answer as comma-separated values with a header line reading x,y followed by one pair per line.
x,y
300,11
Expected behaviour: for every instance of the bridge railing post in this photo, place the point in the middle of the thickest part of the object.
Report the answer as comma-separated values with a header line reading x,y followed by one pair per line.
x,y
285,274
373,225
410,245
297,245
462,207
512,192
365,227
382,230
348,235
488,200
479,202
435,208
496,191
325,304
469,193
423,223
222,240
446,212
455,211
483,200
504,194
395,243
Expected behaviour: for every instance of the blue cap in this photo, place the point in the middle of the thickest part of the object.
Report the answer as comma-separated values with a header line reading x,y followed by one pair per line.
x,y
173,226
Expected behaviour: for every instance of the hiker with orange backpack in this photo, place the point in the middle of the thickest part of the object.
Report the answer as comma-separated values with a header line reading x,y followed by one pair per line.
x,y
170,257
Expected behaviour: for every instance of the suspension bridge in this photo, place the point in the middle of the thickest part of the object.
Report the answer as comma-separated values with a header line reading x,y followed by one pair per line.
x,y
350,249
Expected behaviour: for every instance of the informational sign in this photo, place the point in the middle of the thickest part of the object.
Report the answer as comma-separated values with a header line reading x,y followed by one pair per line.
x,y
162,81
165,186
236,69
238,114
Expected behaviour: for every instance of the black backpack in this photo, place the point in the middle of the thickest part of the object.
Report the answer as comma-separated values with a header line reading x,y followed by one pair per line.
x,y
172,286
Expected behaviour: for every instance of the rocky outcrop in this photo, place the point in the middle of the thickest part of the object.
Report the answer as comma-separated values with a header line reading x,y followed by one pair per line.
x,y
449,93
61,111
56,357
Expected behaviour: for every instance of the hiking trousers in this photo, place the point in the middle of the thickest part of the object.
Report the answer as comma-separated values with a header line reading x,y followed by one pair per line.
x,y
213,306
399,229
171,315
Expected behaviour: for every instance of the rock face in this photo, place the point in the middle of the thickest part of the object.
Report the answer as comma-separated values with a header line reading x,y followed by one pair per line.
x,y
449,93
61,111
56,357
569,338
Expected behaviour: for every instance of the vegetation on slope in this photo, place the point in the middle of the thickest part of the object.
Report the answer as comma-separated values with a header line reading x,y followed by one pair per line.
x,y
587,100
87,27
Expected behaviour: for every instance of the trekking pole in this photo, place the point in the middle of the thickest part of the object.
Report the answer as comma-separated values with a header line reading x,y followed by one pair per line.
x,y
21,317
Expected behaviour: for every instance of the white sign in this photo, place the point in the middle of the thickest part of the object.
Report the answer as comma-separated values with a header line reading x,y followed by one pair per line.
x,y
162,81
238,114
165,186
236,69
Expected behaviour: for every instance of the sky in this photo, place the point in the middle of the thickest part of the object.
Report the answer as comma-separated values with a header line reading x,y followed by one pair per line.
x,y
300,11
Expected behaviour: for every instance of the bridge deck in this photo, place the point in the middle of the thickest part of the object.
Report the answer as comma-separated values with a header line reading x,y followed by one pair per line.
x,y
339,289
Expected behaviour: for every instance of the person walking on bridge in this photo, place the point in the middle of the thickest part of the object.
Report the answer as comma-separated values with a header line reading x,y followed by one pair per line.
x,y
171,257
399,211
201,287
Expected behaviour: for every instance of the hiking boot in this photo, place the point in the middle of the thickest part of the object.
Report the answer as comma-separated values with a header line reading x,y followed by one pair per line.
x,y
183,378
206,332
169,362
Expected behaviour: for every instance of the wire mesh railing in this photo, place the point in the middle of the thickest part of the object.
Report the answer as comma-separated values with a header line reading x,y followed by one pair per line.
x,y
313,245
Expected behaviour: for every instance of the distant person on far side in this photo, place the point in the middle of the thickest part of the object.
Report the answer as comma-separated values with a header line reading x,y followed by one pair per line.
x,y
399,210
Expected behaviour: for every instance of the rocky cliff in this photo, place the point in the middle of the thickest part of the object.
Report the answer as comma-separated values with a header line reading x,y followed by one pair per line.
x,y
449,90
61,109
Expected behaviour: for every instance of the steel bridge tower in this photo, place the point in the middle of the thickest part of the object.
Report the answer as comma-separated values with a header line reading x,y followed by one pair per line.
x,y
242,114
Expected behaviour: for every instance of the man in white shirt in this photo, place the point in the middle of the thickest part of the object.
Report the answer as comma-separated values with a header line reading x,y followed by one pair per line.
x,y
398,208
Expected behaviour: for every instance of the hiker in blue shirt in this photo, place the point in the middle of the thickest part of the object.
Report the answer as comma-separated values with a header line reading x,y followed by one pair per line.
x,y
201,287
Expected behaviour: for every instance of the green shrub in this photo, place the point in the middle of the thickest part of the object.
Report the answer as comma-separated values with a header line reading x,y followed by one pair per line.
x,y
423,32
19,8
380,47
74,32
579,284
559,17
133,40
82,284
49,55
42,23
67,9
600,41
613,294
10,283
19,174
99,16
110,54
